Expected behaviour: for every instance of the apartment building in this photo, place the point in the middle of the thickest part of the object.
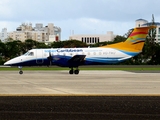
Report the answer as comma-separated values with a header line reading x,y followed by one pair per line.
x,y
4,35
47,34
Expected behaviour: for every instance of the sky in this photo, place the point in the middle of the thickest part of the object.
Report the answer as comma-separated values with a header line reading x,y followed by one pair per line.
x,y
78,16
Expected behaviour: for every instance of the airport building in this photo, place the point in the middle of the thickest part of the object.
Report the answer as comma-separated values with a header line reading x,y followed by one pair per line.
x,y
109,36
94,38
143,22
39,33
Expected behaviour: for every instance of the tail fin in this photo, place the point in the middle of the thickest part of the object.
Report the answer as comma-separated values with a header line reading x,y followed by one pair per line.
x,y
134,42
137,38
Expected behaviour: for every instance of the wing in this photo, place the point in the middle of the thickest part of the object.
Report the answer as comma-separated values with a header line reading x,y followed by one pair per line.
x,y
76,60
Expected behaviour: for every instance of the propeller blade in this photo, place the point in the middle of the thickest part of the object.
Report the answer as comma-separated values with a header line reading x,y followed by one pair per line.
x,y
50,58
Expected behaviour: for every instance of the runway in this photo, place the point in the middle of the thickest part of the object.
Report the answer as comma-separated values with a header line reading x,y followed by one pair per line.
x,y
86,83
90,95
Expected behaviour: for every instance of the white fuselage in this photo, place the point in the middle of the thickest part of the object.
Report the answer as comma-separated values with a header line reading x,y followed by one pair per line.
x,y
92,56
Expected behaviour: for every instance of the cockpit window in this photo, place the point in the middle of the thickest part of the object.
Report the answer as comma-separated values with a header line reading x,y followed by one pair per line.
x,y
26,54
29,54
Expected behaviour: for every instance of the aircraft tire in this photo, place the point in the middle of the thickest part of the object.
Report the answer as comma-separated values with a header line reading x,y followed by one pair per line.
x,y
71,71
20,72
76,72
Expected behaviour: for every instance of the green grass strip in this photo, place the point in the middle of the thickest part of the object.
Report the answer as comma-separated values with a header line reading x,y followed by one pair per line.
x,y
128,68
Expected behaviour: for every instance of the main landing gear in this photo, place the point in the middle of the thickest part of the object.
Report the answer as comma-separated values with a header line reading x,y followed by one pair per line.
x,y
76,71
20,70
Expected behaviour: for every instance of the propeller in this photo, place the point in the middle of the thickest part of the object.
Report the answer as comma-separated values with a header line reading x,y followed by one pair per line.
x,y
50,59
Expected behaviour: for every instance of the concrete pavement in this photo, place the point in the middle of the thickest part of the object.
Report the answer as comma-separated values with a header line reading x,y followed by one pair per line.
x,y
86,83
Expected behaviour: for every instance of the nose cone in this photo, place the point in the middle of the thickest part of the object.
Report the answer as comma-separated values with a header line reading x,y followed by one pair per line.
x,y
13,62
8,63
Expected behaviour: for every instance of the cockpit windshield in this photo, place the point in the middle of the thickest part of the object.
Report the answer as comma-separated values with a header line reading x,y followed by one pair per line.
x,y
29,54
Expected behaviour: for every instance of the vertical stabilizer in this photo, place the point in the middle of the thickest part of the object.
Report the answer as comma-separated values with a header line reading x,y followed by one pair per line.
x,y
134,42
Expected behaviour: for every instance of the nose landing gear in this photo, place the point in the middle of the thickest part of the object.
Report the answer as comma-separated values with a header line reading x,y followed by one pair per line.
x,y
20,70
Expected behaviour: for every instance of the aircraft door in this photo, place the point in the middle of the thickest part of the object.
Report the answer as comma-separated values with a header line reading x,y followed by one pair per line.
x,y
39,56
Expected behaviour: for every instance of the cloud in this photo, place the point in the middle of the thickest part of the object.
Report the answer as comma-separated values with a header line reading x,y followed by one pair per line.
x,y
92,26
80,16
111,10
5,11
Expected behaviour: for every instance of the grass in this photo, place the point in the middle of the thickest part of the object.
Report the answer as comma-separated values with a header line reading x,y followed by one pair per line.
x,y
105,67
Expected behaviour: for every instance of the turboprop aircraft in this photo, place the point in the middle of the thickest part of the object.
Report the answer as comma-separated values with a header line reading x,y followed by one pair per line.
x,y
75,57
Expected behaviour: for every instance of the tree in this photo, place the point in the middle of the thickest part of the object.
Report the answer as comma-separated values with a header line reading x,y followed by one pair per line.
x,y
74,43
58,44
41,45
2,52
68,44
12,49
151,48
29,44
119,38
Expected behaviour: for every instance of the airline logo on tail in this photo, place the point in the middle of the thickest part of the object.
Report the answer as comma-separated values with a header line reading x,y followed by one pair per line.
x,y
138,35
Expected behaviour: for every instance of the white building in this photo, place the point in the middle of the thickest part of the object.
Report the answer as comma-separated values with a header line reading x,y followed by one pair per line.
x,y
4,35
38,33
142,22
94,38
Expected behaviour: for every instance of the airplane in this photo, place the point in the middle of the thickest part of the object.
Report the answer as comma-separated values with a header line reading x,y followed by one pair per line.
x,y
75,57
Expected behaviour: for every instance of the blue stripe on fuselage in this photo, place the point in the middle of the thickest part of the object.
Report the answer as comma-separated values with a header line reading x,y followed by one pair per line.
x,y
62,60
130,53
